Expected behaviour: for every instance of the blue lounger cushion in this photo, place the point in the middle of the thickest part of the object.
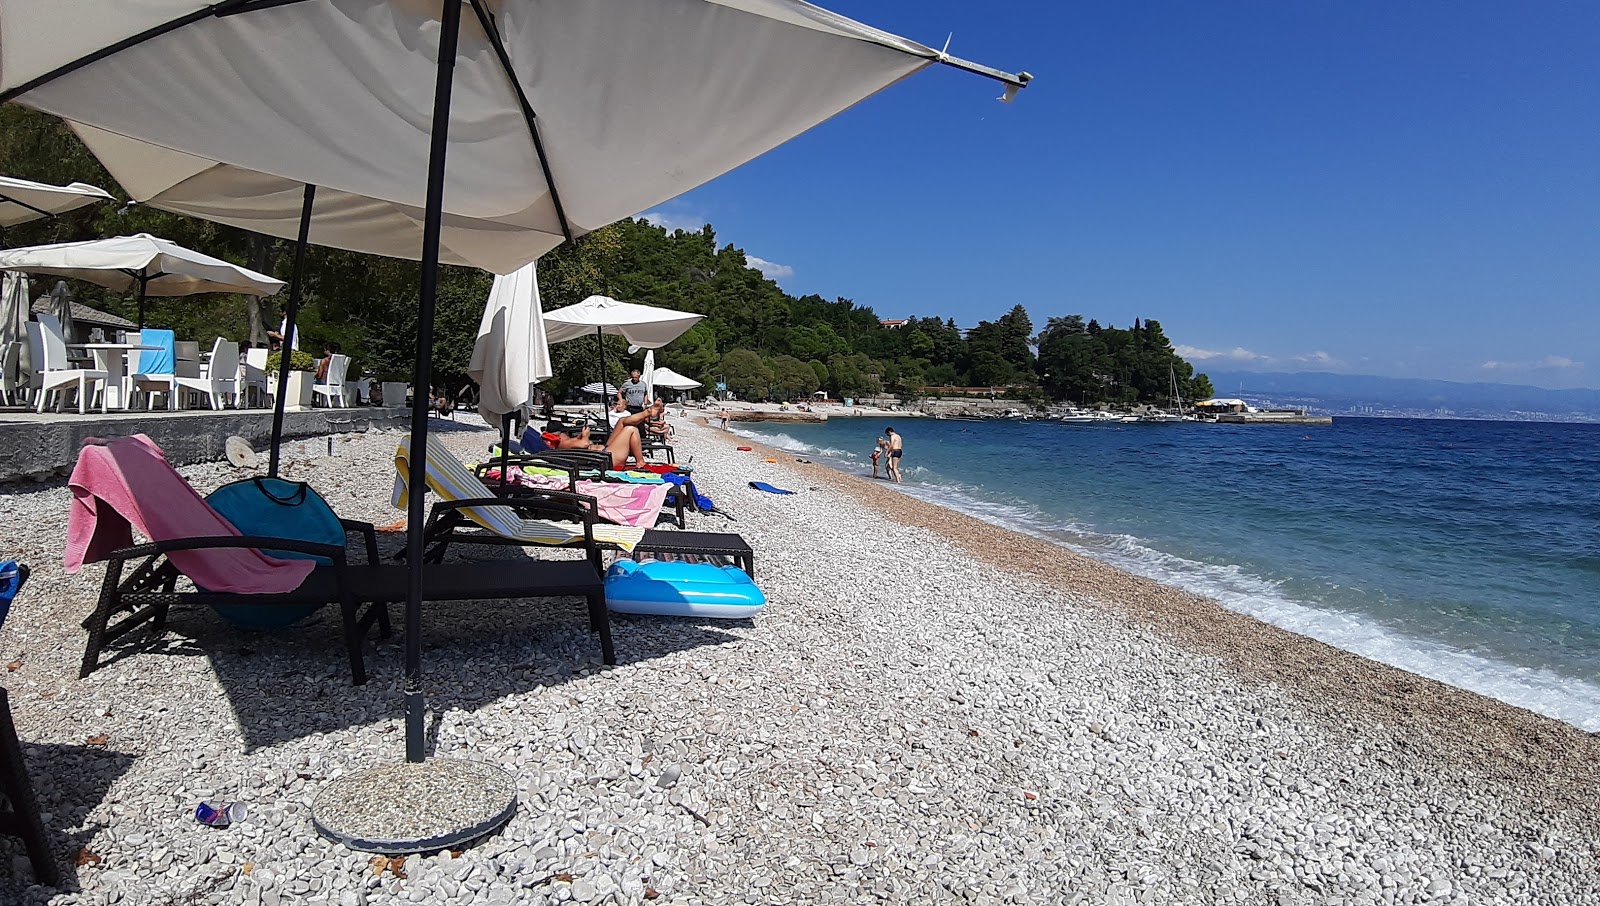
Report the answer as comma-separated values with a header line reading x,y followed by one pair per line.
x,y
682,590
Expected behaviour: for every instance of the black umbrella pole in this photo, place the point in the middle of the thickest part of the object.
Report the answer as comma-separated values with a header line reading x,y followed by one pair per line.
x,y
286,345
505,446
144,285
449,34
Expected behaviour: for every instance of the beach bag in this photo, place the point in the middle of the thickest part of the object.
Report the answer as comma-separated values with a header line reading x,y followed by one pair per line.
x,y
275,508
12,575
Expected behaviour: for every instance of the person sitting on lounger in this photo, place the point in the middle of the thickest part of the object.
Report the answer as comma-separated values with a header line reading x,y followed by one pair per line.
x,y
623,442
657,428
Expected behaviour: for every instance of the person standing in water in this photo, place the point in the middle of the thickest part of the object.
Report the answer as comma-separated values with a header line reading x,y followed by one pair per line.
x,y
896,451
877,455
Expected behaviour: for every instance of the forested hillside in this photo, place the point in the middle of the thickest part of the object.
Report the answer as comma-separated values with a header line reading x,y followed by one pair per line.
x,y
760,340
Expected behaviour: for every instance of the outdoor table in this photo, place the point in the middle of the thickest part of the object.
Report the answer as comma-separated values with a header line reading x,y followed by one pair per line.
x,y
108,357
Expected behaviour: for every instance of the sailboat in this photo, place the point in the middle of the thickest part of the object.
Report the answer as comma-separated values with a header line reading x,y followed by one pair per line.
x,y
1177,403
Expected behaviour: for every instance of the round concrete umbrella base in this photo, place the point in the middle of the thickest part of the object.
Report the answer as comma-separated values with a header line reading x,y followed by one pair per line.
x,y
442,803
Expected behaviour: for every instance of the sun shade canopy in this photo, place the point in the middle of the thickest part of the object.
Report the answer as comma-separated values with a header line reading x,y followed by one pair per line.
x,y
672,380
566,116
642,325
166,268
22,200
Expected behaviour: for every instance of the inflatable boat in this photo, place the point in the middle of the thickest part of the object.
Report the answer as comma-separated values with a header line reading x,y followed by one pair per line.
x,y
682,590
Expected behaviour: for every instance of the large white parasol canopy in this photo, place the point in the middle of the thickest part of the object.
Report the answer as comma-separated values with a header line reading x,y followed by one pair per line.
x,y
23,200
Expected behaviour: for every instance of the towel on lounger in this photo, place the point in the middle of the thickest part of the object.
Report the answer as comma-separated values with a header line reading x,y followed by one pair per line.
x,y
124,483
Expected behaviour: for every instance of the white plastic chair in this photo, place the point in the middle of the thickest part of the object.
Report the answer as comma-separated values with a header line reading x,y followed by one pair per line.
x,y
253,377
221,378
56,375
149,383
8,373
334,389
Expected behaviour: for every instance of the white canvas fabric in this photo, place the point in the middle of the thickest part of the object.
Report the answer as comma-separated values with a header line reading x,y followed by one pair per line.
x,y
20,197
510,354
117,263
642,325
13,307
672,380
226,118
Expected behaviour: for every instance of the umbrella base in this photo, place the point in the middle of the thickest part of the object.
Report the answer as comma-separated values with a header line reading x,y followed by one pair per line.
x,y
441,803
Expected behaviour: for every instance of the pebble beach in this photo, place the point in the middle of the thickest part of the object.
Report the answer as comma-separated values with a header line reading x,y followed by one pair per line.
x,y
930,709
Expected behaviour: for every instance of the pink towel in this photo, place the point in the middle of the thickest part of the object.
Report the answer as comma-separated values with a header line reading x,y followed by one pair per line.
x,y
624,504
124,483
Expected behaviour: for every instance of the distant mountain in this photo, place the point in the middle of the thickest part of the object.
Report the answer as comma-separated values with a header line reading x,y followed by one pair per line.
x,y
1365,394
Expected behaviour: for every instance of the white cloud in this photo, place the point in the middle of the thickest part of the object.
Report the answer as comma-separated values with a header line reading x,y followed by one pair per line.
x,y
1549,362
1557,361
671,221
1319,358
769,269
1236,354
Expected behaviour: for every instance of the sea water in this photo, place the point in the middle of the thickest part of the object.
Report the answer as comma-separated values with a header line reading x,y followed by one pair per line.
x,y
1467,551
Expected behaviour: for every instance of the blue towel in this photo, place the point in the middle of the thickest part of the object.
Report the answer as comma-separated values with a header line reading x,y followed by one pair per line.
x,y
157,361
533,441
763,486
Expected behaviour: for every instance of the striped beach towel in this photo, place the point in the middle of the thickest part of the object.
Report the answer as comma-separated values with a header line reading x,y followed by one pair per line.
x,y
452,480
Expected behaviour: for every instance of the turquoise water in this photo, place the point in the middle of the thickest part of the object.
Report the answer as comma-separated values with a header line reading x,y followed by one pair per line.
x,y
1465,551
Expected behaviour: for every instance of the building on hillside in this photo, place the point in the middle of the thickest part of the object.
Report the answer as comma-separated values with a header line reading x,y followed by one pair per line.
x,y
888,322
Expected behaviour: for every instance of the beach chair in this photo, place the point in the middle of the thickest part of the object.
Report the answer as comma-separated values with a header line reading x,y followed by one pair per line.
x,y
576,464
468,512
253,390
218,380
10,387
126,482
334,387
56,373
156,370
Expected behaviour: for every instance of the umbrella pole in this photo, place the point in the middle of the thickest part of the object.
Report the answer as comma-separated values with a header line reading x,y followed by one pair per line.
x,y
605,407
144,285
296,283
449,35
505,446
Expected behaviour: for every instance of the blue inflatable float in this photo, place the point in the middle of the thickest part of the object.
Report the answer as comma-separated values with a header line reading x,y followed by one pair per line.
x,y
682,590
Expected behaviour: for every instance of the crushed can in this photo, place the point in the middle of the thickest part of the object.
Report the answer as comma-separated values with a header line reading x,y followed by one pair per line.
x,y
220,814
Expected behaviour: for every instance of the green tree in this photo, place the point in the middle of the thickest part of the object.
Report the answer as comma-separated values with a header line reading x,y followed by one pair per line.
x,y
747,375
792,378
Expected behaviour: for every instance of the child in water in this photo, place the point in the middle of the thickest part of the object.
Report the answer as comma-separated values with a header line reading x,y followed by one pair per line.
x,y
877,455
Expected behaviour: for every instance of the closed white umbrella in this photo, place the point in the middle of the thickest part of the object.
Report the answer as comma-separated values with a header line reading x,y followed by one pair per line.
x,y
672,380
510,354
61,307
154,266
13,308
23,200
649,375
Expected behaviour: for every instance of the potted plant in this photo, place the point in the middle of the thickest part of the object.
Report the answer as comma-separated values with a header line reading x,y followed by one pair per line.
x,y
302,366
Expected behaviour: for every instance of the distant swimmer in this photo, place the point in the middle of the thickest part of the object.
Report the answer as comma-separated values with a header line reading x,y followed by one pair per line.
x,y
896,451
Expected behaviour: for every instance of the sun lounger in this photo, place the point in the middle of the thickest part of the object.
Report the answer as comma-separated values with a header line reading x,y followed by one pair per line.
x,y
574,466
468,512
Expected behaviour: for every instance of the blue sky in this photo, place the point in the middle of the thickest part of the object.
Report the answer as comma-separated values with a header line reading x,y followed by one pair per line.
x,y
1400,189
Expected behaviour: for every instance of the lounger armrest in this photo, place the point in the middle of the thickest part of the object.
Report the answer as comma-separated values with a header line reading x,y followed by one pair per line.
x,y
331,551
529,459
368,533
563,502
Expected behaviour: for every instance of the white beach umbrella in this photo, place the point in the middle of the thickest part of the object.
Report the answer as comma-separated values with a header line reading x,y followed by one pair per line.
x,y
510,354
504,127
642,325
23,200
226,110
598,316
672,380
153,266
648,373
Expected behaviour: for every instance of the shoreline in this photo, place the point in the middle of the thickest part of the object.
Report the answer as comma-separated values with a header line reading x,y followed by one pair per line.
x,y
1463,727
929,709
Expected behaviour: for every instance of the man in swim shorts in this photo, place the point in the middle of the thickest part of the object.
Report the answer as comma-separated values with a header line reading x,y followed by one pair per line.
x,y
896,450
